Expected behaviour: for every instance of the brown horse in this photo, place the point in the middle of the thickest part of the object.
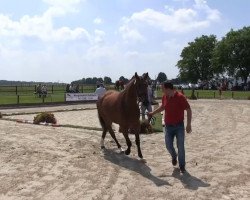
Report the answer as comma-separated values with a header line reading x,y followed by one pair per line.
x,y
122,108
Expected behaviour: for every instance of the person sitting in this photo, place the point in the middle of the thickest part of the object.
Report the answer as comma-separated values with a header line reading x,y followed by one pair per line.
x,y
100,90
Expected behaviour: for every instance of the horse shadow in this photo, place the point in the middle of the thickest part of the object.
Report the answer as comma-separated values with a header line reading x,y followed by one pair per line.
x,y
133,165
189,181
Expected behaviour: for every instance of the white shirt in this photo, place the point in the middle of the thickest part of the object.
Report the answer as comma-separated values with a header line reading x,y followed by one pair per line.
x,y
100,92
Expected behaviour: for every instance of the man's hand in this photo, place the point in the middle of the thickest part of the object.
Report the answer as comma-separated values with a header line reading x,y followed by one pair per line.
x,y
189,128
150,115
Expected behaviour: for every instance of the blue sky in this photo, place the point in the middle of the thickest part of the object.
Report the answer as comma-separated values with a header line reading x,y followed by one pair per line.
x,y
65,40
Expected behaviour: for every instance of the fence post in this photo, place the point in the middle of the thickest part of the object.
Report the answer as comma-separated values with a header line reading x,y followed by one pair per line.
x,y
82,88
64,97
43,98
16,89
35,88
232,95
52,89
197,95
18,99
214,95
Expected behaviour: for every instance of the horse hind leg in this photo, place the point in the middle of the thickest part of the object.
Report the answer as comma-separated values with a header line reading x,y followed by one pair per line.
x,y
104,128
112,133
103,137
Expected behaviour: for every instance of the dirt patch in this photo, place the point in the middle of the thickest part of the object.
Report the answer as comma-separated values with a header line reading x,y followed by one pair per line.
x,y
38,162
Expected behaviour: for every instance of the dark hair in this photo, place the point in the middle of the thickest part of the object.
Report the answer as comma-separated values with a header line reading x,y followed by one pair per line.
x,y
168,85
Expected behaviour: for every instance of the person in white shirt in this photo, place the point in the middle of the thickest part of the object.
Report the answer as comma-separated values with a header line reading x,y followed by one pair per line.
x,y
100,90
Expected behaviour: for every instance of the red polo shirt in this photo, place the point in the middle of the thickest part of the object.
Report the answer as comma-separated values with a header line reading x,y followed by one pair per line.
x,y
174,108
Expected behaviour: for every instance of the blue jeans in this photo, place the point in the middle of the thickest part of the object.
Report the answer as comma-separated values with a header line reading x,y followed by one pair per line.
x,y
171,132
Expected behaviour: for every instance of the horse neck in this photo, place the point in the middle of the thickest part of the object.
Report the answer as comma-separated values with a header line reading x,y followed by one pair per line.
x,y
129,94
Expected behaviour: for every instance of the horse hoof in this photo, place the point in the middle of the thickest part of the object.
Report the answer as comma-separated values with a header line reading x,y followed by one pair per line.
x,y
121,150
127,152
143,160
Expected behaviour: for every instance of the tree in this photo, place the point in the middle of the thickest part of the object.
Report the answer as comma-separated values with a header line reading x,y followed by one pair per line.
x,y
100,80
195,63
125,80
232,54
161,77
122,78
107,80
89,81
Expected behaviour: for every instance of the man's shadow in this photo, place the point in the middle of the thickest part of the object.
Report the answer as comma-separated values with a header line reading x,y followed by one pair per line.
x,y
133,165
189,181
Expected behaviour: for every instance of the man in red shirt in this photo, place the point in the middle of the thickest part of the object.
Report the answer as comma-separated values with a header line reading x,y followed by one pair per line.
x,y
174,104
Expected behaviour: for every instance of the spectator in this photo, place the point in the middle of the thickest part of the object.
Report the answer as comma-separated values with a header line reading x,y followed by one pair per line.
x,y
44,90
71,90
147,104
77,90
100,90
68,88
39,90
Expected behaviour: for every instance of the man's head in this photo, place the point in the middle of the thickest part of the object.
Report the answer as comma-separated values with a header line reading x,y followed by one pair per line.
x,y
167,88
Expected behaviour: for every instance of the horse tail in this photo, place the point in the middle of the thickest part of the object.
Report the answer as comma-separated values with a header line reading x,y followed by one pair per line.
x,y
101,120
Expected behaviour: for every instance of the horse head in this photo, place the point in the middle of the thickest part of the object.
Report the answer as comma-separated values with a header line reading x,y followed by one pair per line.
x,y
141,85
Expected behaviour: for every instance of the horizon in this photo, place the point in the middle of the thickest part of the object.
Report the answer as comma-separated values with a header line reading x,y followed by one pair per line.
x,y
64,41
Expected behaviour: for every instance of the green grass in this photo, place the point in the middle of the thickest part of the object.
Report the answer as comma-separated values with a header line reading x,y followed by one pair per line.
x,y
157,127
26,94
214,94
56,89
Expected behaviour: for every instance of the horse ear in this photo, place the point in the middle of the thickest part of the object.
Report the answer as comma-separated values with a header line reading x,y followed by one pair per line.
x,y
136,76
146,76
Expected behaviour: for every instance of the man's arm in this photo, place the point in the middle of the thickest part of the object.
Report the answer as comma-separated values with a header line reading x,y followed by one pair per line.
x,y
158,110
189,119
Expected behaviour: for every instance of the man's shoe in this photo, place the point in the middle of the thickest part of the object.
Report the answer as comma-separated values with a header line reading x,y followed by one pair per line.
x,y
183,170
174,161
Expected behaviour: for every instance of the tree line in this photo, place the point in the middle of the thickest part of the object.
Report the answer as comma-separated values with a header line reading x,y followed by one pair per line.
x,y
107,80
207,57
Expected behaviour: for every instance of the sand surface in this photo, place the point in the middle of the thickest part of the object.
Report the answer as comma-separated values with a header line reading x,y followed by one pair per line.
x,y
39,162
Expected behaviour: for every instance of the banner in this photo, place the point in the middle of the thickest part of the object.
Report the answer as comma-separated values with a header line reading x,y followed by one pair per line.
x,y
81,97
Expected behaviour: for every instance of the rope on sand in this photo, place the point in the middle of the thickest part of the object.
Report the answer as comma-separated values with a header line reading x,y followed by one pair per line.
x,y
41,123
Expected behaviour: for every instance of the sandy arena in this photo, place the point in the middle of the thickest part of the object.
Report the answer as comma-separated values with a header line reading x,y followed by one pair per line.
x,y
39,162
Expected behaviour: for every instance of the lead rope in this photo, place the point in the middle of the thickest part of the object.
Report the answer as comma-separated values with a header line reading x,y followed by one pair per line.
x,y
150,120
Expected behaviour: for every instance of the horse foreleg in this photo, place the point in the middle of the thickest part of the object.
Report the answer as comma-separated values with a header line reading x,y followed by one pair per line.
x,y
112,133
137,141
129,144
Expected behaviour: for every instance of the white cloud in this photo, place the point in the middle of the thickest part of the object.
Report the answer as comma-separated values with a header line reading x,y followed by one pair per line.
x,y
181,20
130,34
42,26
98,21
99,36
